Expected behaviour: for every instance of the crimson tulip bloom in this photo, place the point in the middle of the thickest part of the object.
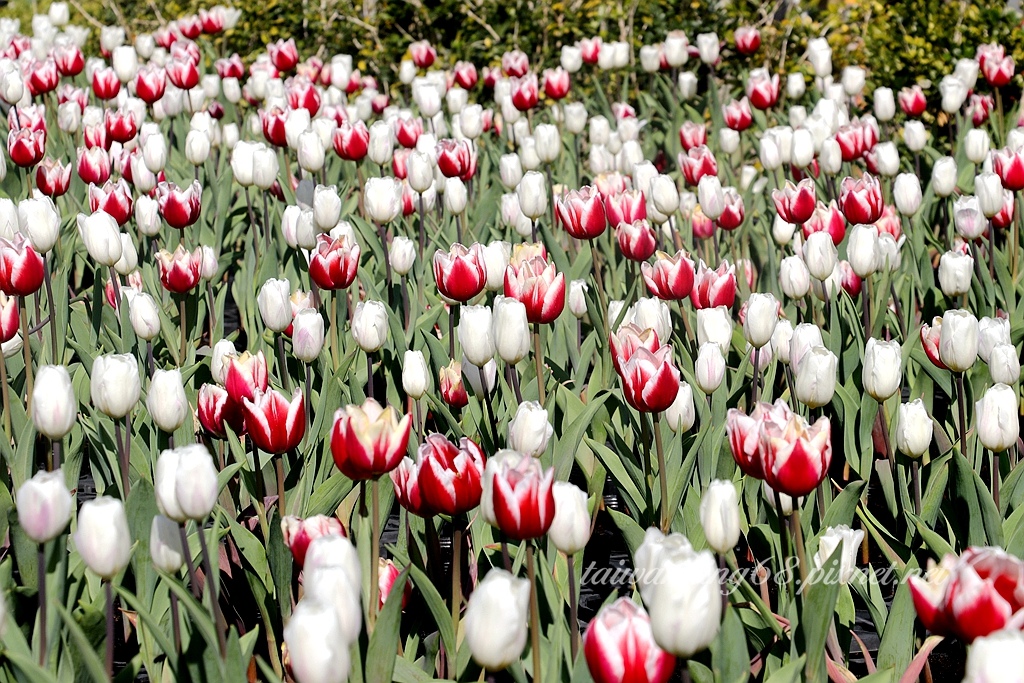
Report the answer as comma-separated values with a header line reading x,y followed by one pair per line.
x,y
53,179
524,505
273,122
636,240
351,140
120,124
1009,165
112,198
861,200
747,40
453,390
849,280
179,207
671,277
1004,218
105,85
912,101
369,440
21,267
744,432
703,227
995,65
299,533
795,455
733,212
456,159
275,425
449,477
714,288
524,92
970,596
32,117
692,135
619,646
9,318
408,131
217,411
762,89
69,93
628,340
26,147
183,73
212,21
625,207
590,49
465,75
69,59
696,163
150,83
93,165
828,218
302,94
556,83
334,262
930,341
246,375
43,78
650,381
190,26
422,53
979,107
795,203
531,280
406,481
460,273
96,136
582,213
515,63
283,54
737,115
230,67
180,271
851,142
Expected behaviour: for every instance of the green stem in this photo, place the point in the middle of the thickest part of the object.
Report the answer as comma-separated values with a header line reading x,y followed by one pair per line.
x,y
538,362
667,512
374,551
534,613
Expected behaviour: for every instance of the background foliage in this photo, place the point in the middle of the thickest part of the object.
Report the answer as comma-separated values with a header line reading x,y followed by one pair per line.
x,y
904,41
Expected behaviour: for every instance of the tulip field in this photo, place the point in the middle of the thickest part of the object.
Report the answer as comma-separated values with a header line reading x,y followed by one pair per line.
x,y
624,362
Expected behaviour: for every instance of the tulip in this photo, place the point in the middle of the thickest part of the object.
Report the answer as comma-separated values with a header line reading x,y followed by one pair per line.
x,y
510,329
686,611
671,277
913,429
992,331
720,516
180,271
216,411
709,368
976,145
529,430
578,298
299,534
415,376
496,619
762,316
619,646
882,368
53,406
794,278
995,658
39,220
523,503
533,195
450,475
165,545
958,340
334,262
532,280
861,200
317,647
450,383
460,273
862,250
274,424
166,400
820,255
996,415
369,440
1003,364
115,384
907,193
402,255
712,288
383,199
570,528
370,325
649,554
816,377
989,191
21,267
102,539
955,272
582,213
44,506
848,542
711,196
186,483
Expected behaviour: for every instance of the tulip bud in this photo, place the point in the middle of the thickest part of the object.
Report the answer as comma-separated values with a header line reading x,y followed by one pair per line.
x,y
944,175
496,257
907,193
307,335
769,153
991,332
882,368
989,190
913,429
711,197
762,315
955,272
475,335
570,529
220,359
370,325
381,145
713,325
686,611
102,539
848,541
510,329
402,254
166,400
996,417
781,339
415,375
197,147
976,145
884,104
649,312
496,619
687,82
709,368
958,340
101,236
728,140
114,384
529,431
820,255
275,304
165,545
914,135
326,207
720,516
186,483
39,220
455,196
1003,364
578,298
317,647
44,506
54,407
794,278
995,658
816,377
533,195
830,157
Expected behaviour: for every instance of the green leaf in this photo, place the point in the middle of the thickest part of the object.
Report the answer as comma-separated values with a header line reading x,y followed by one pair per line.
x,y
897,646
280,559
817,615
381,654
83,648
437,606
729,651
